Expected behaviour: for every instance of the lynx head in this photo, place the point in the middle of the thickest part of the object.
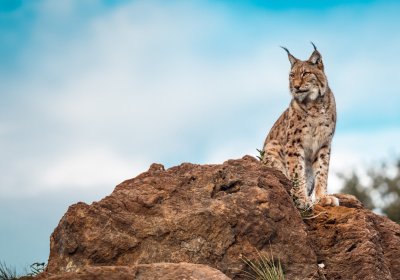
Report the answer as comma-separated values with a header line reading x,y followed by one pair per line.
x,y
307,80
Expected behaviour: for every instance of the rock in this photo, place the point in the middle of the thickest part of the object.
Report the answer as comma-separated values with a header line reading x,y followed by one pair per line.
x,y
205,214
354,243
214,215
157,271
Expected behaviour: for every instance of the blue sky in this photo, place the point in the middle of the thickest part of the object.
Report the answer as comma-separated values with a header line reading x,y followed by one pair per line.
x,y
93,92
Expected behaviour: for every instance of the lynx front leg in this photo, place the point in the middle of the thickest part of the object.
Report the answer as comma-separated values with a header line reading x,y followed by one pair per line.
x,y
273,156
320,169
297,174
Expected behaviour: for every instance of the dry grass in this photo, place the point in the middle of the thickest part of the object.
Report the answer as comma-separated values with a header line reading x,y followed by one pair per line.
x,y
264,268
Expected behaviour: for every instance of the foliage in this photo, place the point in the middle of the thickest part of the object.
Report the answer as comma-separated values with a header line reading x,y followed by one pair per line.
x,y
7,273
261,154
10,273
265,268
379,190
37,268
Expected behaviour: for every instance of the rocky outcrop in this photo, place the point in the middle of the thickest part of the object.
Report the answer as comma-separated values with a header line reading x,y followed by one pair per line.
x,y
354,243
213,215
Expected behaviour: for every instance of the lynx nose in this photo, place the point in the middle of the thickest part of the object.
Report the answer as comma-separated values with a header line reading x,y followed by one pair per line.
x,y
296,84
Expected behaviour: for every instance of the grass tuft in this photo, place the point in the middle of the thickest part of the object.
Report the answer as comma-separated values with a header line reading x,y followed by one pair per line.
x,y
7,273
10,273
264,268
37,268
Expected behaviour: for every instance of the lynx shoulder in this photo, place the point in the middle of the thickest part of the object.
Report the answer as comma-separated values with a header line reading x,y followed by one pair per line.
x,y
299,143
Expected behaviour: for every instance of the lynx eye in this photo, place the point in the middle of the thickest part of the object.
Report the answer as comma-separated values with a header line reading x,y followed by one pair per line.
x,y
306,74
291,74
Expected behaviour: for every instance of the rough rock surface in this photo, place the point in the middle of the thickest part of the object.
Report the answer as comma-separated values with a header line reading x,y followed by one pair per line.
x,y
354,243
165,271
213,215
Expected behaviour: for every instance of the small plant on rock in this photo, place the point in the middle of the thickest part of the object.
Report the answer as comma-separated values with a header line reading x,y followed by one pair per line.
x,y
37,268
261,154
264,268
7,273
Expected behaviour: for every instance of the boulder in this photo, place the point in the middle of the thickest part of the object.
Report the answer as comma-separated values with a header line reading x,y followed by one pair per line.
x,y
215,215
354,243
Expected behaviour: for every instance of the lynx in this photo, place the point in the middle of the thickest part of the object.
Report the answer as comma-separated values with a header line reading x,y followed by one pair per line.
x,y
299,142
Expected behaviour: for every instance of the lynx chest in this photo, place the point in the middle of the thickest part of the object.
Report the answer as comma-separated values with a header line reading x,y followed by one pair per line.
x,y
318,127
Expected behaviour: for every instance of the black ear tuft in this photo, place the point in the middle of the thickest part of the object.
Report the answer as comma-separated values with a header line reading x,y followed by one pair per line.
x,y
315,48
292,59
286,50
316,58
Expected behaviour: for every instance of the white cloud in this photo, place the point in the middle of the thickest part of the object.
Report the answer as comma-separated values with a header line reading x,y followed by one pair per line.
x,y
88,169
356,151
166,83
234,149
94,170
129,72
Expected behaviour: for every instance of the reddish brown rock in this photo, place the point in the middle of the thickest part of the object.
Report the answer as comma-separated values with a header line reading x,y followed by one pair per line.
x,y
354,243
165,271
213,215
206,214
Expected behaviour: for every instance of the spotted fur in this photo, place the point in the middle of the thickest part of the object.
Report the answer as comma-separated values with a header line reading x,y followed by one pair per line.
x,y
299,143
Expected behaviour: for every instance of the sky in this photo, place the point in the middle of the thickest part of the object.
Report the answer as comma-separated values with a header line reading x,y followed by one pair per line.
x,y
93,92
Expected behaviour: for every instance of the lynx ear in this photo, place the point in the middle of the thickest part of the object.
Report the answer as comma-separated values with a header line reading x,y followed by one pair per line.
x,y
292,59
316,58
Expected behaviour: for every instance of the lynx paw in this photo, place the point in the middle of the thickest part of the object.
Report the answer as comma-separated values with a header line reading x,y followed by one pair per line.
x,y
329,200
304,205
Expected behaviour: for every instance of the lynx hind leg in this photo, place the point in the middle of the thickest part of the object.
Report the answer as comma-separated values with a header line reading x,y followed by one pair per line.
x,y
273,156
